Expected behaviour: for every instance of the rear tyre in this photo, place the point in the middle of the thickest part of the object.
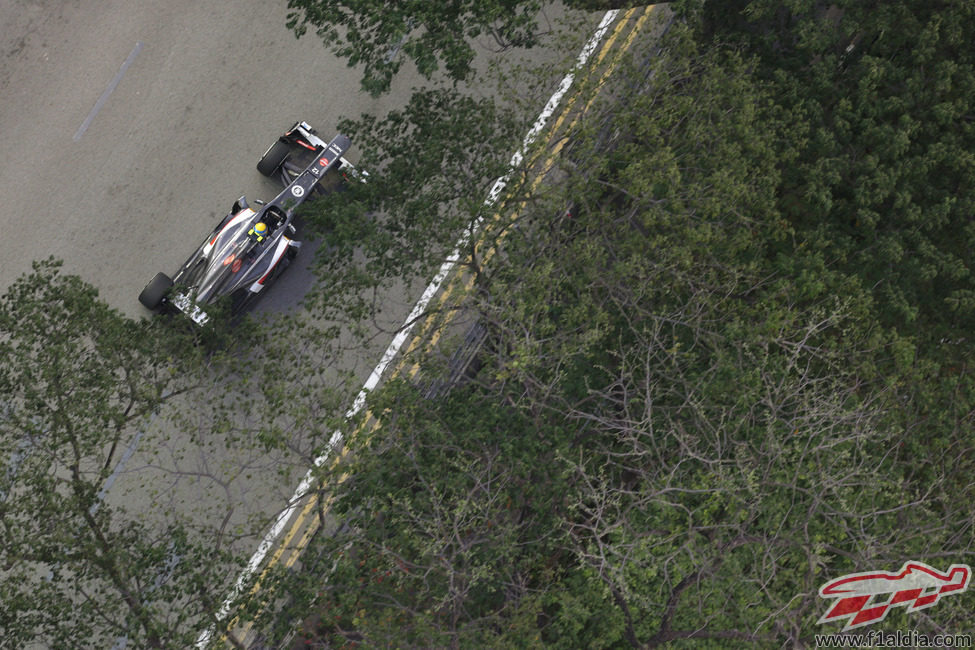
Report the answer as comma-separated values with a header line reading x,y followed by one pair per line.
x,y
152,296
273,157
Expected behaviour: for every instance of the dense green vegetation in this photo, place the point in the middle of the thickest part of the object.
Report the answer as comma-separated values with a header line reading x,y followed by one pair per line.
x,y
433,36
78,380
736,367
127,449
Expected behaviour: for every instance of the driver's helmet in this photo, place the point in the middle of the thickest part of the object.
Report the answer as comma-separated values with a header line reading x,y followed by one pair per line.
x,y
259,230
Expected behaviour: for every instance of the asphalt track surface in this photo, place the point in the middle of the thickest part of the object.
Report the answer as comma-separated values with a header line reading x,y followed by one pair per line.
x,y
119,172
127,130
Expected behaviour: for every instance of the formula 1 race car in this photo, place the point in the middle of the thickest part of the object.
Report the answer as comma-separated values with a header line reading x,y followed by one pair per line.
x,y
250,247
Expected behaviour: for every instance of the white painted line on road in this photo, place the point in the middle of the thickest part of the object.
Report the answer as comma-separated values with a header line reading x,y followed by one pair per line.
x,y
394,347
108,91
396,48
126,455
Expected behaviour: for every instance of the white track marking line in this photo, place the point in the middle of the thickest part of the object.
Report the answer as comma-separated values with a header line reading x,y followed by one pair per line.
x,y
108,91
394,347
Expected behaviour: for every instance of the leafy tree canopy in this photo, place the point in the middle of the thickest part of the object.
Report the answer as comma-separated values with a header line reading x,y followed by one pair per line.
x,y
883,186
432,35
706,387
78,381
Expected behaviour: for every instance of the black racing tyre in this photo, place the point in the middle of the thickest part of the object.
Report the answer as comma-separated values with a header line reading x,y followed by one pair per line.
x,y
152,296
273,157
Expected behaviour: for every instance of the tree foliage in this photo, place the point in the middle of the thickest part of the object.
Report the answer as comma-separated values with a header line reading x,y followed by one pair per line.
x,y
882,186
725,357
433,36
427,162
78,381
706,388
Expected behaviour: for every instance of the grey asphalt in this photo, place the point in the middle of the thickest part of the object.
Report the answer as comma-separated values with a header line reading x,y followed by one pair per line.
x,y
127,129
207,88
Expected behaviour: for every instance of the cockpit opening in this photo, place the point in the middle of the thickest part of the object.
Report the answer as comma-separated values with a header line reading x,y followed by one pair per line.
x,y
274,217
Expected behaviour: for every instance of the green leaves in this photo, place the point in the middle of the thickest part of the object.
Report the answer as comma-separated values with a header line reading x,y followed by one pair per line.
x,y
716,371
369,33
78,382
431,165
726,355
892,152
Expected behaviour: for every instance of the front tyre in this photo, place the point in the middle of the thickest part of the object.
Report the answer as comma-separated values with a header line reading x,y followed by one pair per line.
x,y
273,158
152,296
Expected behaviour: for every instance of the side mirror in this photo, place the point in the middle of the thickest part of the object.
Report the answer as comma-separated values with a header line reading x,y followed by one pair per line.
x,y
239,204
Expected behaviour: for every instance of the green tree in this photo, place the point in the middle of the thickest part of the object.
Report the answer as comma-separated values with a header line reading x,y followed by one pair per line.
x,y
881,191
432,36
700,412
79,381
440,525
882,186
431,165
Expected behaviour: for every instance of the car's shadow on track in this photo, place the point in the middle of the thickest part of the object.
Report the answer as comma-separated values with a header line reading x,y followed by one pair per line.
x,y
288,290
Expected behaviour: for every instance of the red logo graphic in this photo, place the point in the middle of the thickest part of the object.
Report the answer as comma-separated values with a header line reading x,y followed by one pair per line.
x,y
865,598
323,161
236,265
230,258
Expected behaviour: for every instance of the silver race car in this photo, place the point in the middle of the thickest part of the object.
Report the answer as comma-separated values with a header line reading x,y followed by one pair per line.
x,y
251,246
